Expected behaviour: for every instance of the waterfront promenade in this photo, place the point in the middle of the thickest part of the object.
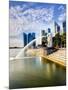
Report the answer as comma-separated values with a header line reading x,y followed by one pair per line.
x,y
58,57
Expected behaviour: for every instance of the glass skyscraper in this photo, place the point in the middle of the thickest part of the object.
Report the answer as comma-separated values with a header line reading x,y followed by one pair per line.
x,y
33,37
64,26
57,28
27,38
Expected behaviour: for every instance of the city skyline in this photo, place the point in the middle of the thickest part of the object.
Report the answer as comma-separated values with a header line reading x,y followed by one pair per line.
x,y
33,17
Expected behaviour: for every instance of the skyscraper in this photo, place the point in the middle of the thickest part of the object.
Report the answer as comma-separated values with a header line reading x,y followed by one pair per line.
x,y
64,26
25,39
44,38
43,32
49,38
29,37
49,30
57,28
33,37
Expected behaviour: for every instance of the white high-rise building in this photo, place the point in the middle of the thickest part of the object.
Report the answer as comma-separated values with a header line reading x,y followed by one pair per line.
x,y
39,39
49,38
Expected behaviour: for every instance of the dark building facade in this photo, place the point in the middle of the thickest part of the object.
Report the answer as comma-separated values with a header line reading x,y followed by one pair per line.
x,y
57,28
31,36
27,38
44,39
49,30
64,26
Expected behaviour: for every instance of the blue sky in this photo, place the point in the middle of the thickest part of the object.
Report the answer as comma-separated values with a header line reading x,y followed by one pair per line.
x,y
58,8
34,17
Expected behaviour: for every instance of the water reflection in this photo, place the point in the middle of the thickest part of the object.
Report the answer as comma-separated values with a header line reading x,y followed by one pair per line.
x,y
48,71
53,67
34,72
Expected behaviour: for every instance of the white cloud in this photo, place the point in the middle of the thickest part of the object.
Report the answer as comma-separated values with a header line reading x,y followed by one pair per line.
x,y
16,43
25,18
61,8
14,27
30,19
62,17
39,14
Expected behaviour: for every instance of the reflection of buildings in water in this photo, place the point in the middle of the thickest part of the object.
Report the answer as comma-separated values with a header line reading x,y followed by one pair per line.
x,y
39,61
48,70
53,67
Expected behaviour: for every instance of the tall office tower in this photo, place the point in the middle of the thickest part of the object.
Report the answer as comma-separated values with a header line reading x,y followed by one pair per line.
x,y
44,38
57,28
43,32
39,38
31,36
64,26
49,38
25,39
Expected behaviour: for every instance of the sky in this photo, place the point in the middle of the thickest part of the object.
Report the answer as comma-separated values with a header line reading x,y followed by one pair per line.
x,y
33,17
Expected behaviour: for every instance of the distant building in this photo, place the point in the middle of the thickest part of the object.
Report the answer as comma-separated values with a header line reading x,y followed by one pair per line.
x,y
44,38
49,38
43,32
57,28
49,30
31,36
25,39
39,39
64,26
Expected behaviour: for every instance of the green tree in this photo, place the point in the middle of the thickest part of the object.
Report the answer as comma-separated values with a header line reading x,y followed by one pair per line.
x,y
63,39
57,40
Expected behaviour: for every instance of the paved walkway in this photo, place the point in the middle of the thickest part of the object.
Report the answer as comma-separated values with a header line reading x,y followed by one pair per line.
x,y
58,57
